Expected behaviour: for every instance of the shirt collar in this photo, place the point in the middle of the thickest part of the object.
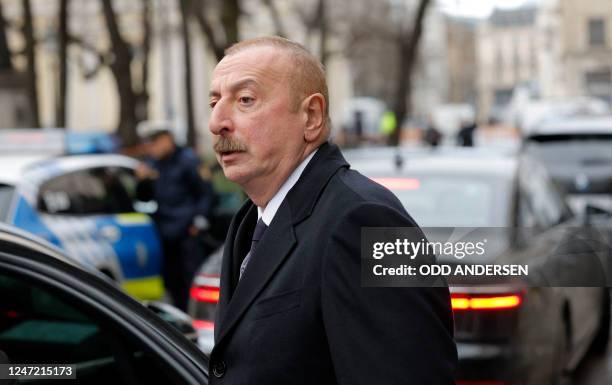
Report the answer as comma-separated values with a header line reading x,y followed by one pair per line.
x,y
268,213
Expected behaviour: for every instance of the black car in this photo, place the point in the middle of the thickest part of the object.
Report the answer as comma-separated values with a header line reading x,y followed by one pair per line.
x,y
578,154
506,334
53,311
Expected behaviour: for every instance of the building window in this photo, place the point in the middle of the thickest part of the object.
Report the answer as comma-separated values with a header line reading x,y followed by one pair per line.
x,y
599,84
597,32
502,96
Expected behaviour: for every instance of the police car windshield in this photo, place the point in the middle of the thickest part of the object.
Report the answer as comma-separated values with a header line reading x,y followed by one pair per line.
x,y
6,195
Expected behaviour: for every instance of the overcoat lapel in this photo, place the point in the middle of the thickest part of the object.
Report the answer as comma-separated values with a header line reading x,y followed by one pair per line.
x,y
272,249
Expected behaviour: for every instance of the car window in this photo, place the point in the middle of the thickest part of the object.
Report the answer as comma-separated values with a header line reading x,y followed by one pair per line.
x,y
104,190
39,327
578,163
541,197
6,197
444,200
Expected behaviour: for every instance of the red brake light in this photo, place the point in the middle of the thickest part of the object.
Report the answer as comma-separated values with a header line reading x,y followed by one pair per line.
x,y
399,183
200,324
205,294
12,314
485,302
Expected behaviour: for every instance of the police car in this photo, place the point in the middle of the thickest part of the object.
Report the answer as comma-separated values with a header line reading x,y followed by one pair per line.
x,y
84,204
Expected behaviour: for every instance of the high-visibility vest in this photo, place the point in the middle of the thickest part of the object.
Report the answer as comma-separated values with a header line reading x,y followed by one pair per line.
x,y
388,123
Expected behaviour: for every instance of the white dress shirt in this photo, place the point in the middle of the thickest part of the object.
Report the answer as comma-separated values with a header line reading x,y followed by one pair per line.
x,y
268,213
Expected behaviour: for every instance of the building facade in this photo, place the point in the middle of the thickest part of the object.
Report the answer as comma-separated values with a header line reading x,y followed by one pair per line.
x,y
506,51
461,54
92,99
584,55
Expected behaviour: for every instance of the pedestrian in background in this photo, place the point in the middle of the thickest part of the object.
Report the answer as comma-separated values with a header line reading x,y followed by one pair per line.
x,y
465,137
170,176
432,136
387,126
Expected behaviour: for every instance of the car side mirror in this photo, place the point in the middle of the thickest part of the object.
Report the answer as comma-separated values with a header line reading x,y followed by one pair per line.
x,y
175,317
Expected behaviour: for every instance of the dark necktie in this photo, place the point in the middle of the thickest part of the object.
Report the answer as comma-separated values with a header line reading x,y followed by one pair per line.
x,y
260,229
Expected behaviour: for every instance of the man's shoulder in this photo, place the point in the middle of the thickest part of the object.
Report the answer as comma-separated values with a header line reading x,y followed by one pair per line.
x,y
362,189
352,202
358,192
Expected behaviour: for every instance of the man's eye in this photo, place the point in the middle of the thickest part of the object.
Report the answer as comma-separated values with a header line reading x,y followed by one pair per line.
x,y
246,100
212,104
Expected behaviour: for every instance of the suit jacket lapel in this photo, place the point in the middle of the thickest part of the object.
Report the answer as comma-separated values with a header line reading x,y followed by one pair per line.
x,y
242,244
272,249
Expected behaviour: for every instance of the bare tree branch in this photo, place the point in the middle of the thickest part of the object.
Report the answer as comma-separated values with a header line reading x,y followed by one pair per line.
x,y
143,93
322,27
276,20
408,47
5,53
199,9
30,48
191,130
61,112
13,25
121,69
230,13
102,56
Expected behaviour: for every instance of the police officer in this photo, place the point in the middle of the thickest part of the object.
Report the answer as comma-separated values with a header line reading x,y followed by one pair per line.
x,y
170,176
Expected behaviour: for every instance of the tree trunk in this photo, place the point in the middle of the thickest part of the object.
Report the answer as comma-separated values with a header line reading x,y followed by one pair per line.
x,y
408,47
276,19
6,63
143,91
198,9
191,129
62,112
30,50
121,70
230,13
322,26
229,19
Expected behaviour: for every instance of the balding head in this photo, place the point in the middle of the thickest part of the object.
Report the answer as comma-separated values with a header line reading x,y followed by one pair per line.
x,y
306,74
269,112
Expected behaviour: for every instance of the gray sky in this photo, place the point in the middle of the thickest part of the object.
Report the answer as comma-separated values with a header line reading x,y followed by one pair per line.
x,y
478,8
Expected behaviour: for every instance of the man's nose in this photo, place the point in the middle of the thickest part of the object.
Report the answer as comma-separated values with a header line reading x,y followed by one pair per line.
x,y
220,119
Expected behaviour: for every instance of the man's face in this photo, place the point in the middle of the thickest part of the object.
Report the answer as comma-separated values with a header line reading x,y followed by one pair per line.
x,y
257,133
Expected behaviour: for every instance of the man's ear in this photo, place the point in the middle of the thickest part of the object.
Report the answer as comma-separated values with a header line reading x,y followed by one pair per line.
x,y
314,108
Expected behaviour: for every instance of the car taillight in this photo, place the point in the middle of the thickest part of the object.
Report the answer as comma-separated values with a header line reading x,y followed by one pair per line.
x,y
206,325
11,314
207,294
485,301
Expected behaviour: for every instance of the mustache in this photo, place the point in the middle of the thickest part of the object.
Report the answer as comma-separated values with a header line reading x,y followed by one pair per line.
x,y
225,144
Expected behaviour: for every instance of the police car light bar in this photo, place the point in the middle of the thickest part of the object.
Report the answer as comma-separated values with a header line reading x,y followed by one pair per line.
x,y
31,140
